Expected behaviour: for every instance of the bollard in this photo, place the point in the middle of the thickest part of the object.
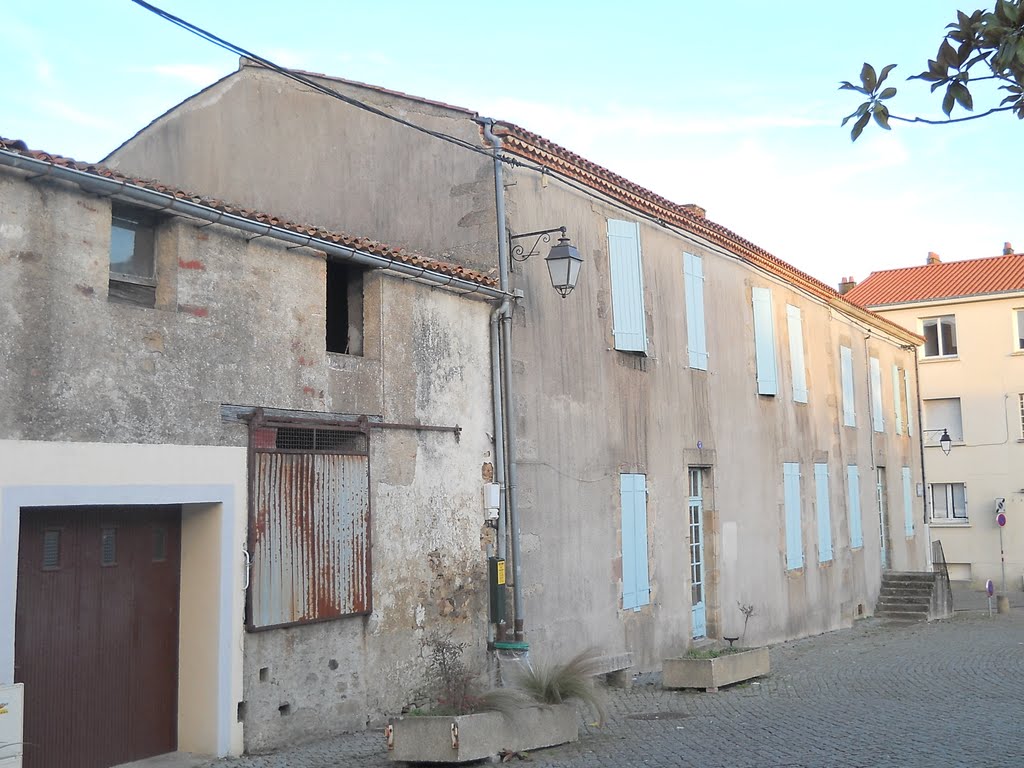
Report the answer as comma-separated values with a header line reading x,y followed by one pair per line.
x,y
1003,604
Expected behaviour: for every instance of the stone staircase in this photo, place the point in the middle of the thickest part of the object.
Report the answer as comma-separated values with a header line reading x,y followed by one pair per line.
x,y
914,596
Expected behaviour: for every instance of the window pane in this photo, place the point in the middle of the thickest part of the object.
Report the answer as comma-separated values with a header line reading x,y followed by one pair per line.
x,y
131,246
948,325
1020,329
959,494
931,338
939,505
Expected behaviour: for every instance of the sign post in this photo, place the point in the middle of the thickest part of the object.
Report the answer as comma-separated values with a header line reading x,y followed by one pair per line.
x,y
989,590
1001,521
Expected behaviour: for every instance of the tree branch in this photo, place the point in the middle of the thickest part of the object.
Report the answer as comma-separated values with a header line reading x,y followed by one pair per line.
x,y
951,119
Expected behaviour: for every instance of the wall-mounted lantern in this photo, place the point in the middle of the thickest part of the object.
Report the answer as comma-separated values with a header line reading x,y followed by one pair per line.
x,y
564,260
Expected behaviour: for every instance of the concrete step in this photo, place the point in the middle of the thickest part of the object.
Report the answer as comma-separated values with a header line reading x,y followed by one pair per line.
x,y
925,600
908,578
905,590
897,608
903,615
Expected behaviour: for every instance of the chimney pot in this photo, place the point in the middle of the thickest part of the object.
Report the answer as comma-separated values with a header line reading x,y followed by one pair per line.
x,y
846,284
933,258
1007,249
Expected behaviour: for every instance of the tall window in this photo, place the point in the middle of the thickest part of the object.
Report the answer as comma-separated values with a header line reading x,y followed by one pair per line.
x,y
132,256
636,585
794,532
696,335
628,318
344,332
764,342
939,336
949,501
846,370
1018,330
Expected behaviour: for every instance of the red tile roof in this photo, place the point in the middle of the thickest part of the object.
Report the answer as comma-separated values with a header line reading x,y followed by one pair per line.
x,y
339,238
954,279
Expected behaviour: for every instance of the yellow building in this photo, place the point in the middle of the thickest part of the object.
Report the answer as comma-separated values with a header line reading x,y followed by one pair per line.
x,y
971,374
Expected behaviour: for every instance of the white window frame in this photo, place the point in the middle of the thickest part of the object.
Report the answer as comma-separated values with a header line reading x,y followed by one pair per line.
x,y
933,432
949,503
937,323
1018,329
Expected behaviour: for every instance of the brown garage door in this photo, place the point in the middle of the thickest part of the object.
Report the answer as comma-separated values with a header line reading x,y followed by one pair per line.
x,y
96,641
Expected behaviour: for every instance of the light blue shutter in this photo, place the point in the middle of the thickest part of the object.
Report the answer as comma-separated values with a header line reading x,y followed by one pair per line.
x,y
794,539
911,403
897,385
853,483
908,502
824,513
696,337
846,369
628,319
764,342
796,353
876,396
636,587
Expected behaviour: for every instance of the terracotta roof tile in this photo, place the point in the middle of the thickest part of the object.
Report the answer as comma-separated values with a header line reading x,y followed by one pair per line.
x,y
975,277
340,238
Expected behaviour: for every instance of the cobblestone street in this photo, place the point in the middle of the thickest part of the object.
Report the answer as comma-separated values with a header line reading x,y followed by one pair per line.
x,y
948,693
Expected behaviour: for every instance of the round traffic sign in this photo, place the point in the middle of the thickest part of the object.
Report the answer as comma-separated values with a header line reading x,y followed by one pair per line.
x,y
990,588
1001,519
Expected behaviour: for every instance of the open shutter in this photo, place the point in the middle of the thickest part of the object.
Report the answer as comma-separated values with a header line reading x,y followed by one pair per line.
x,y
824,512
636,587
796,353
696,336
908,502
794,539
911,403
764,342
628,318
846,370
853,484
897,385
877,416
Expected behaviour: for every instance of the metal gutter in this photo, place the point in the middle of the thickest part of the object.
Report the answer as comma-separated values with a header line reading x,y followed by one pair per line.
x,y
122,189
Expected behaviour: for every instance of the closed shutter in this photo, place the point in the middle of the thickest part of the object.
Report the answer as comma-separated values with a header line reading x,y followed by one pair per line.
x,y
897,385
696,336
908,502
764,342
846,369
794,539
911,403
628,318
796,353
636,586
877,416
853,484
824,512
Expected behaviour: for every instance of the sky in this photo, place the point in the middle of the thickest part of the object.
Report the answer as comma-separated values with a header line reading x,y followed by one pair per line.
x,y
732,106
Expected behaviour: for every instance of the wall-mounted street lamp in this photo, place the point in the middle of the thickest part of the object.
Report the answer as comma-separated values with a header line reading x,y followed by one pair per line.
x,y
564,260
945,442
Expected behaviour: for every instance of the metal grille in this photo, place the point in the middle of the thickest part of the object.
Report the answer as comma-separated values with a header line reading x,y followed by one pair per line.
x,y
309,439
51,549
108,546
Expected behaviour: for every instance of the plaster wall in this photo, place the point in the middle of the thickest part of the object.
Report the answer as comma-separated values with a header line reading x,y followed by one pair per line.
x,y
987,375
241,321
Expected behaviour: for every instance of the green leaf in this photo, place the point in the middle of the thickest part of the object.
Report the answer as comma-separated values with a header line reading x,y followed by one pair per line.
x,y
868,77
888,93
947,56
948,100
846,85
884,73
858,127
963,96
881,115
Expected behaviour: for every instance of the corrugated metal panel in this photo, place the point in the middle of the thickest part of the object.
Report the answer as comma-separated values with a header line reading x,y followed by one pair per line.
x,y
310,558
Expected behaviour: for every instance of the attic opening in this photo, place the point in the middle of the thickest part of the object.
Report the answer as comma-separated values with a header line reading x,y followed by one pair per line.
x,y
344,308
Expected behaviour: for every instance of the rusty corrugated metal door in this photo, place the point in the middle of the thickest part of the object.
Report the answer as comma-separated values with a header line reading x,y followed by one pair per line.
x,y
96,635
310,558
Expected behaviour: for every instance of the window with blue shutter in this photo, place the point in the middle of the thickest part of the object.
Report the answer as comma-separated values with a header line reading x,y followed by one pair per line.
x,y
897,385
696,337
636,585
908,502
794,538
846,372
764,342
796,353
911,403
824,512
878,418
853,486
629,325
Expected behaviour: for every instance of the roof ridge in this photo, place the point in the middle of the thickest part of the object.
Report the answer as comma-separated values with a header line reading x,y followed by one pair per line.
x,y
366,244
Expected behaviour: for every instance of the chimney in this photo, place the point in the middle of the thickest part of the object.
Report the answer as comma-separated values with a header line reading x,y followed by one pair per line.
x,y
846,284
933,258
1007,249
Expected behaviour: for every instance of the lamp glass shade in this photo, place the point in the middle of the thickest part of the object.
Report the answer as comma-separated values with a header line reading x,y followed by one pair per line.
x,y
945,442
564,262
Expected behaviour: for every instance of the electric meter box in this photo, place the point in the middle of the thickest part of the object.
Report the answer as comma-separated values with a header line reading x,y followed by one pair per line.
x,y
496,582
12,708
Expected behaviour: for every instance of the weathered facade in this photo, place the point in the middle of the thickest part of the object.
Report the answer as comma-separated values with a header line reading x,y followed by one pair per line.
x,y
971,314
133,401
690,438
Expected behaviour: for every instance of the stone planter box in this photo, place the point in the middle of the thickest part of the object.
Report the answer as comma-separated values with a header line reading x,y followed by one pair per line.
x,y
712,674
461,738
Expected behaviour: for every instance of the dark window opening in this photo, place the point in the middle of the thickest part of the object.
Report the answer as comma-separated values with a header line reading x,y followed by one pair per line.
x,y
344,309
132,256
